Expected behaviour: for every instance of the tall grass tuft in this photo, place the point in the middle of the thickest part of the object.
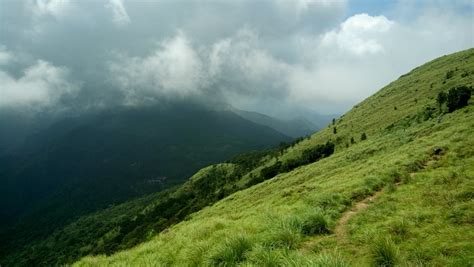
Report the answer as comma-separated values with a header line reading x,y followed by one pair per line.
x,y
314,223
329,260
231,252
384,252
285,233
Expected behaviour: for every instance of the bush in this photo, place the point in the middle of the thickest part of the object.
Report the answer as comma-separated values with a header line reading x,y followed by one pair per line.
x,y
458,97
384,252
271,171
441,98
318,152
449,74
308,156
363,137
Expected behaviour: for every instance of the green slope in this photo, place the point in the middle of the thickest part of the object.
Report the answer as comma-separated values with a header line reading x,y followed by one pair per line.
x,y
418,165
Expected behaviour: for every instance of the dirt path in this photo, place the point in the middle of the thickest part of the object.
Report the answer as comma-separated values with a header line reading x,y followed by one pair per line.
x,y
340,231
341,228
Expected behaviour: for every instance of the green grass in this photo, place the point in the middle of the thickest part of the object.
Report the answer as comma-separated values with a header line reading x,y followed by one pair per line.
x,y
424,215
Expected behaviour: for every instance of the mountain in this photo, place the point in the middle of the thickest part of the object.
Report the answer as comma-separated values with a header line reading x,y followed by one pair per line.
x,y
294,128
82,164
396,191
389,182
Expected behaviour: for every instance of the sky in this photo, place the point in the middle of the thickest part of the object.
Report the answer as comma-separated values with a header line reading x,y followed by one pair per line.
x,y
276,57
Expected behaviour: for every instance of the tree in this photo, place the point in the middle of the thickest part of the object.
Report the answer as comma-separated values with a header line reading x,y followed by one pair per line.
x,y
333,121
334,130
363,137
441,99
458,97
352,140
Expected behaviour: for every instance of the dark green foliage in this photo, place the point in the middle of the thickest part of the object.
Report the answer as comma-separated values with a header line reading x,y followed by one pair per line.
x,y
458,97
428,113
352,140
363,137
333,121
395,108
334,130
441,98
449,74
308,156
318,152
271,171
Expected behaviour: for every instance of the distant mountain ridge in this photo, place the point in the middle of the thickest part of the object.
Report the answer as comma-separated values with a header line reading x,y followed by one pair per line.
x,y
295,128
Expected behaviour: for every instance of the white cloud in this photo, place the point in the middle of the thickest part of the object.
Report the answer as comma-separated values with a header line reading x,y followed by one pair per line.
x,y
243,66
41,84
119,13
5,56
359,34
173,69
55,8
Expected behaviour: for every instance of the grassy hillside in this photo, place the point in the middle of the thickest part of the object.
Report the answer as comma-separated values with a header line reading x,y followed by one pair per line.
x,y
417,163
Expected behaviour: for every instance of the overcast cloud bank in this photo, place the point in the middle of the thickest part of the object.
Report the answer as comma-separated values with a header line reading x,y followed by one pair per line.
x,y
255,55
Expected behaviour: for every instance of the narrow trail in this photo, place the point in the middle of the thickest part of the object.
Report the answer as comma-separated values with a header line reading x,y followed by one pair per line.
x,y
341,228
340,231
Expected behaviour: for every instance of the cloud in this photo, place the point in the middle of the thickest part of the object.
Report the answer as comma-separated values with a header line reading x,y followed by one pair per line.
x,y
257,55
359,34
242,65
5,56
174,68
119,13
55,8
40,85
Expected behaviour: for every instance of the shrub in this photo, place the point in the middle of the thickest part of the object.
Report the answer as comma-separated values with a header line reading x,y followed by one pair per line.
x,y
318,152
334,130
384,252
271,171
363,137
449,74
441,98
458,97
